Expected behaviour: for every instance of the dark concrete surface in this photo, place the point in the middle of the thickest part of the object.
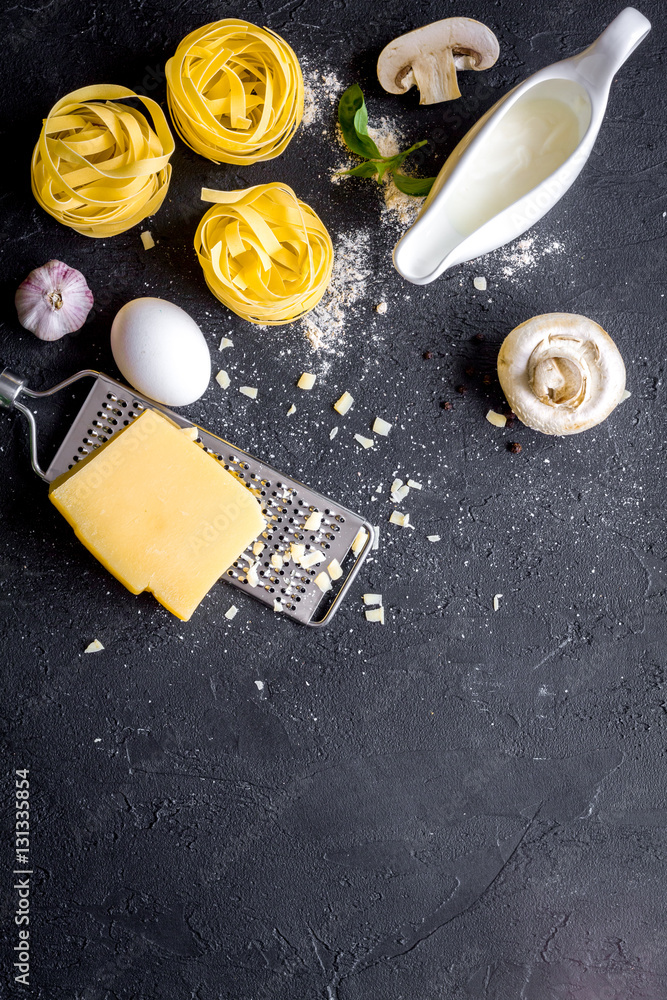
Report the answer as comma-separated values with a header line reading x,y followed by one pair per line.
x,y
462,804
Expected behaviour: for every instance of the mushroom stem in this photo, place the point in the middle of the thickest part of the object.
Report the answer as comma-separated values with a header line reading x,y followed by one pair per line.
x,y
435,76
558,381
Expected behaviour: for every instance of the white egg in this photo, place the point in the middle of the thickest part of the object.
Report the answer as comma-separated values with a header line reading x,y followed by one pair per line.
x,y
161,351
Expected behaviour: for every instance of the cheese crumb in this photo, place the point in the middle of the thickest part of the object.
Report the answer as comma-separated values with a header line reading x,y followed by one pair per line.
x,y
335,571
223,379
376,538
626,395
225,343
248,390
297,550
497,419
496,601
381,308
147,240
343,404
258,548
400,493
413,485
360,540
396,517
372,598
433,538
480,284
307,381
314,521
277,561
397,483
381,426
231,612
375,615
277,604
323,582
251,575
291,410
364,441
332,433
94,647
312,559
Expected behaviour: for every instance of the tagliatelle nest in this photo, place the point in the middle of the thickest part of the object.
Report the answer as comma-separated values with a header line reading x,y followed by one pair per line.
x,y
235,92
99,167
264,253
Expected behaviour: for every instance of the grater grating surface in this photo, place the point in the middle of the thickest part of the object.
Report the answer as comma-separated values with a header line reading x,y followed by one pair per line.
x,y
286,503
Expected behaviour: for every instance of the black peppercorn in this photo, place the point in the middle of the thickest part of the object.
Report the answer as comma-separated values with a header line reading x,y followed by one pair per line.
x,y
514,447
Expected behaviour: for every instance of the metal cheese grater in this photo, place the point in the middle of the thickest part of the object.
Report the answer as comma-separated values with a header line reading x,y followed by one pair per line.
x,y
285,502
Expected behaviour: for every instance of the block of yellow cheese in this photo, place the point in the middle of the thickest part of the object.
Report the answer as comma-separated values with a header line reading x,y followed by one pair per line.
x,y
159,512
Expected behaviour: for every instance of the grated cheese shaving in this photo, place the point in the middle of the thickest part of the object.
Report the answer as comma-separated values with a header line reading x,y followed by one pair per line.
x,y
225,343
147,240
381,426
307,381
231,612
335,570
626,395
360,540
332,433
372,598
314,521
397,483
297,551
277,604
375,615
94,647
364,441
400,493
251,575
248,390
497,419
323,582
433,538
496,601
413,485
376,537
343,404
291,410
223,379
312,559
277,561
258,548
381,308
480,284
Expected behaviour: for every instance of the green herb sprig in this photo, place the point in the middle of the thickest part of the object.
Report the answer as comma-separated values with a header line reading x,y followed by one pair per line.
x,y
353,120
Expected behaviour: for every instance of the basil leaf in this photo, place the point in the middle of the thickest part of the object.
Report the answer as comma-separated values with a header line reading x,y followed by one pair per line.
x,y
413,185
366,169
353,120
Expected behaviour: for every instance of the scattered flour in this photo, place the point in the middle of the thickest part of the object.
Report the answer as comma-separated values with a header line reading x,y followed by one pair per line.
x,y
325,325
524,254
320,97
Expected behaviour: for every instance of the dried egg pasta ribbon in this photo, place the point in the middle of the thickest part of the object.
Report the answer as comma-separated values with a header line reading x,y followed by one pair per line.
x,y
101,168
235,92
264,253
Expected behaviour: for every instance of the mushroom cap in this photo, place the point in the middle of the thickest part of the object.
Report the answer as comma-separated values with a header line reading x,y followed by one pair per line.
x,y
561,373
473,45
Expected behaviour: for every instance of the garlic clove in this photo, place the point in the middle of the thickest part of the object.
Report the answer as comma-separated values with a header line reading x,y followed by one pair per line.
x,y
53,300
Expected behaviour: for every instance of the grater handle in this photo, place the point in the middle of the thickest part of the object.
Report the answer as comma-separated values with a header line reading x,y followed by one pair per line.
x,y
11,386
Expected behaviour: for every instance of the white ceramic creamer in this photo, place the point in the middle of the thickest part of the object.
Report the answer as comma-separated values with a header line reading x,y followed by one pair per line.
x,y
518,160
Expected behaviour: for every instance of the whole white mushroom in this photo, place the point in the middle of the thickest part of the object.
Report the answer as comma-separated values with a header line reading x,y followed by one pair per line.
x,y
561,373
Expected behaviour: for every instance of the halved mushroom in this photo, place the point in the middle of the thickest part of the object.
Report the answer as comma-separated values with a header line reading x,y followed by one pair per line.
x,y
561,373
430,56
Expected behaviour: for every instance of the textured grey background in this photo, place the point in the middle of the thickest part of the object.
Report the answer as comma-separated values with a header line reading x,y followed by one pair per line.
x,y
462,804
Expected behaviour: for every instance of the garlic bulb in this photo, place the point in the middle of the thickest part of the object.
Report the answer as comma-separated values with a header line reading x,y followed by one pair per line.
x,y
53,300
561,373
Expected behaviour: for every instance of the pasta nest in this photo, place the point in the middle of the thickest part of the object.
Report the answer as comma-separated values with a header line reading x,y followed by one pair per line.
x,y
99,167
235,92
265,254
